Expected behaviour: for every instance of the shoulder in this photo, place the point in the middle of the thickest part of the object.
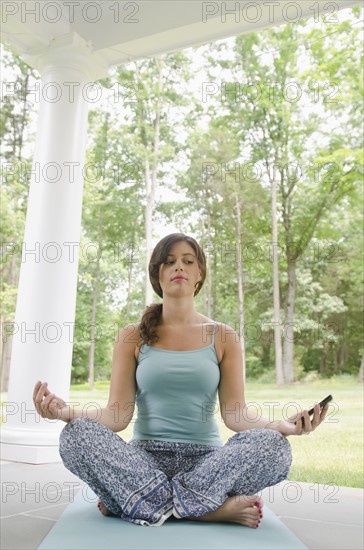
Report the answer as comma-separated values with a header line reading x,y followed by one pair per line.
x,y
128,340
227,339
131,329
226,333
129,335
227,343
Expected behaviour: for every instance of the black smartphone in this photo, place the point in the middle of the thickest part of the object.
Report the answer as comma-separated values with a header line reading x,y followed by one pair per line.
x,y
322,404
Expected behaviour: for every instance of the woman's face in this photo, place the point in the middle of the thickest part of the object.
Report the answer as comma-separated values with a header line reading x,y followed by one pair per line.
x,y
180,273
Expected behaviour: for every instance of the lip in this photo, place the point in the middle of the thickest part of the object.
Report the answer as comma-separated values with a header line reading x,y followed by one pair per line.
x,y
179,278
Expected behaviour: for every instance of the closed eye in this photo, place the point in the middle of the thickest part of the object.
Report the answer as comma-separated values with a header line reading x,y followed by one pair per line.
x,y
168,262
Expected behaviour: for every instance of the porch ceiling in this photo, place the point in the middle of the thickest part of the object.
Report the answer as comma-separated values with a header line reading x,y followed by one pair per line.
x,y
125,30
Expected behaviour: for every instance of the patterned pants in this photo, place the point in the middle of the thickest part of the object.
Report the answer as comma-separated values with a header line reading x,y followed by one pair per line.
x,y
146,481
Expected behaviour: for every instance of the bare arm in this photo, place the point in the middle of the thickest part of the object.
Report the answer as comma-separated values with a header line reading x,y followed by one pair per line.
x,y
120,408
231,387
122,393
234,411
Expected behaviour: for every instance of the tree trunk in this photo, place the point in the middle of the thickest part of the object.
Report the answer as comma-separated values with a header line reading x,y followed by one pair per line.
x,y
24,115
128,299
341,355
266,354
148,232
240,284
151,187
288,341
361,370
91,355
280,378
5,362
325,359
209,309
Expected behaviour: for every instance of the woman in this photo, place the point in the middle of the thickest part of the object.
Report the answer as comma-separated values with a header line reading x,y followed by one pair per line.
x,y
172,365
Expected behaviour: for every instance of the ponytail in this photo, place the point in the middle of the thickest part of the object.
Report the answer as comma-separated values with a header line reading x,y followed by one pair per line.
x,y
148,324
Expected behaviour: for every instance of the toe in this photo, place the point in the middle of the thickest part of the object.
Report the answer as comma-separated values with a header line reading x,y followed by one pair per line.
x,y
258,502
254,500
253,513
254,524
251,500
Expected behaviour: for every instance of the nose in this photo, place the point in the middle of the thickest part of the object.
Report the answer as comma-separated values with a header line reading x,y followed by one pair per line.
x,y
179,265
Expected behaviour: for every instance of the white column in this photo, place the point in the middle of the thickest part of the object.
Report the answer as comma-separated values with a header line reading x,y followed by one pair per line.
x,y
45,311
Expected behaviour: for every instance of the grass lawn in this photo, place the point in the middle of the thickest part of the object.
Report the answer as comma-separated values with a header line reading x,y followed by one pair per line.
x,y
332,455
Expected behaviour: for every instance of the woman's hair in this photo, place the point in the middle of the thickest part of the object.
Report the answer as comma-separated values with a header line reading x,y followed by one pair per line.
x,y
152,313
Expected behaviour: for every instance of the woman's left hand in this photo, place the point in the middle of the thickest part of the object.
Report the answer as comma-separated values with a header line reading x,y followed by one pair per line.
x,y
288,427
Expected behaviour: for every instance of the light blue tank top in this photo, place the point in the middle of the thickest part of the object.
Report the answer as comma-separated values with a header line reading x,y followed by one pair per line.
x,y
176,395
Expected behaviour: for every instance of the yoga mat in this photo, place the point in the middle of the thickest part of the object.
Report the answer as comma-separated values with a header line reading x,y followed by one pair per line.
x,y
83,527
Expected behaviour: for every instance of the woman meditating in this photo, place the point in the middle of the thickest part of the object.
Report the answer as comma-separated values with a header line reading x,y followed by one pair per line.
x,y
172,365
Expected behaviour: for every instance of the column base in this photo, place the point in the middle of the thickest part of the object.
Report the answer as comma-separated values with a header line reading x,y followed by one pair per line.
x,y
30,446
29,454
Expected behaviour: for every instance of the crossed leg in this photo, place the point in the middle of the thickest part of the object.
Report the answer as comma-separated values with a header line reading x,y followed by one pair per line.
x,y
221,486
127,480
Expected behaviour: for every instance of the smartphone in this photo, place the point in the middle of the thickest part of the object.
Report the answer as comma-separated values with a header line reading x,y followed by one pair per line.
x,y
322,404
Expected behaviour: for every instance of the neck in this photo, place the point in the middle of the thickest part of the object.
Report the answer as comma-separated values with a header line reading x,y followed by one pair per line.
x,y
178,312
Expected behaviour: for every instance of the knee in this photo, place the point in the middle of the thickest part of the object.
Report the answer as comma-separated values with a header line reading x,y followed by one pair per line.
x,y
277,438
75,436
270,450
281,449
73,428
273,448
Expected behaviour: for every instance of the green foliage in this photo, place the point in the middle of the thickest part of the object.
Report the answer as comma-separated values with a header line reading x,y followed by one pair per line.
x,y
320,216
15,131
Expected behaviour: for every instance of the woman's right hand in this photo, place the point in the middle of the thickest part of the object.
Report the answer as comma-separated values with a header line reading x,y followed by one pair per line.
x,y
48,405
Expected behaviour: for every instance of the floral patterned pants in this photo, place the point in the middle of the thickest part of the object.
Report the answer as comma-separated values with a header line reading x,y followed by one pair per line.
x,y
146,481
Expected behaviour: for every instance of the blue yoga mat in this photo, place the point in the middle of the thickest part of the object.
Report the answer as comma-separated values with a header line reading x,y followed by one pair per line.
x,y
82,527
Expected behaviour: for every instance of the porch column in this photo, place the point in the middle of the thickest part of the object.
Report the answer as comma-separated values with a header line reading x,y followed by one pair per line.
x,y
46,301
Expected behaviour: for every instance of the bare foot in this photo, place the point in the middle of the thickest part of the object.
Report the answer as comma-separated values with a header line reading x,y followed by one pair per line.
x,y
103,509
246,510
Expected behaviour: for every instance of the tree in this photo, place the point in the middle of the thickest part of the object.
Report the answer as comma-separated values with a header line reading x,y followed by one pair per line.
x,y
274,130
16,137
